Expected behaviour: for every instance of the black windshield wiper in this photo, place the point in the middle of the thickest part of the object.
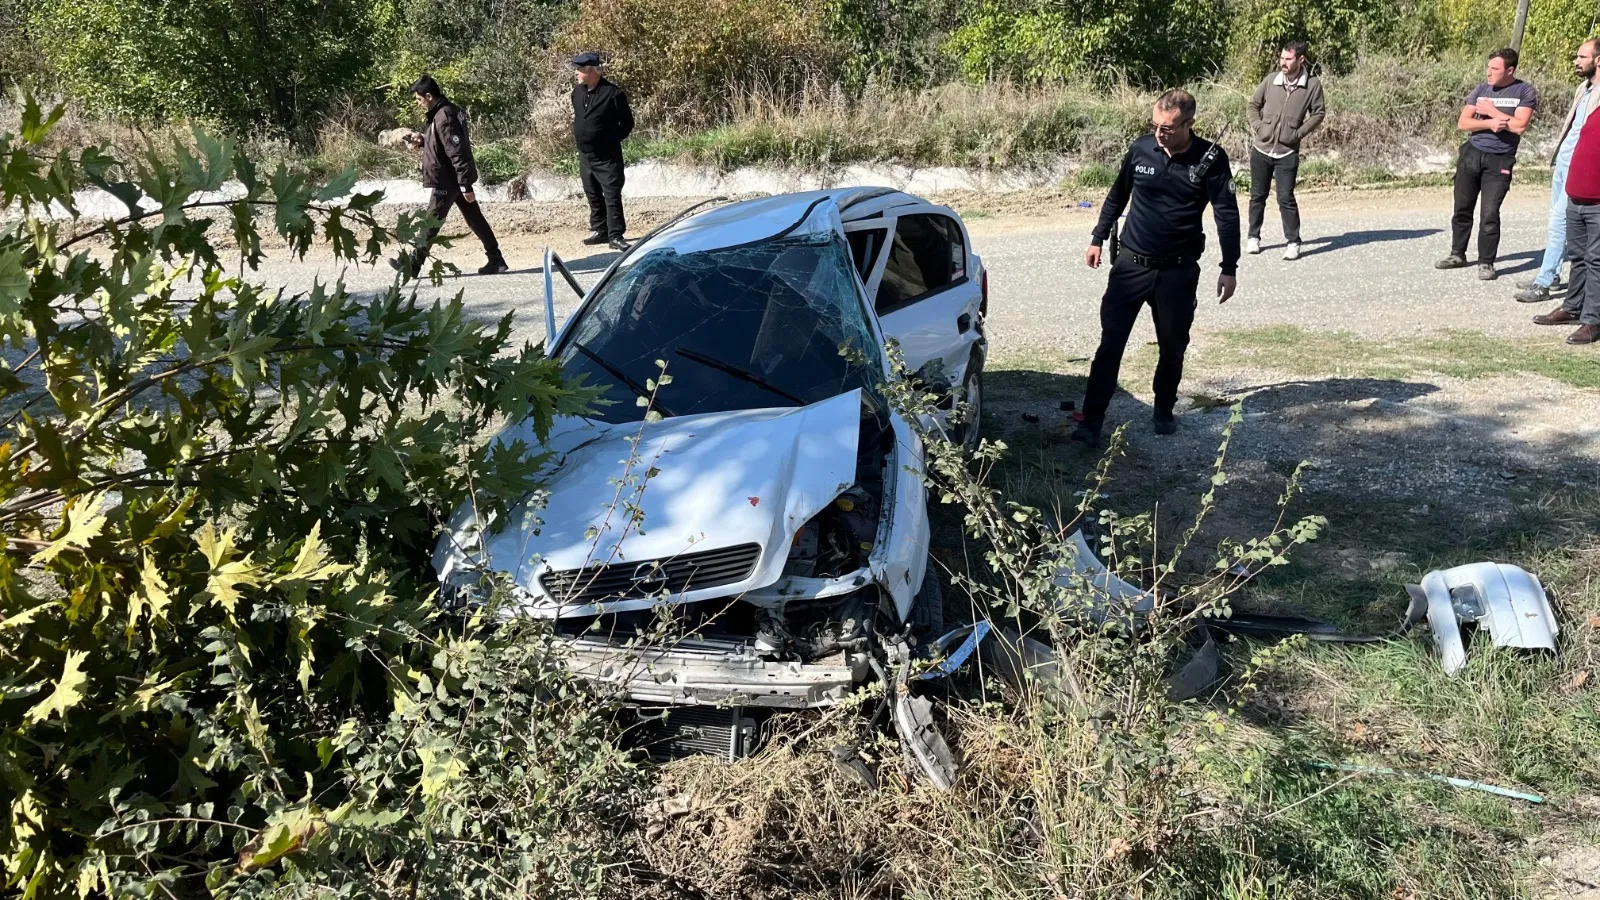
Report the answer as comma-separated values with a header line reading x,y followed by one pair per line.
x,y
741,374
620,375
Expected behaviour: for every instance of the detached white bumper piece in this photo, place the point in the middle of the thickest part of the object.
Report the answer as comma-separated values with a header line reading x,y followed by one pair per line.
x,y
1506,600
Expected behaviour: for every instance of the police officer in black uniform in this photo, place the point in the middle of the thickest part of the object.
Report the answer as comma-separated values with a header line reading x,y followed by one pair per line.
x,y
1170,176
600,120
449,171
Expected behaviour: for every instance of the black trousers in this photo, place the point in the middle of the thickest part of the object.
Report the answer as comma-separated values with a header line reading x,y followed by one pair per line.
x,y
602,183
1486,176
1170,294
1266,173
439,207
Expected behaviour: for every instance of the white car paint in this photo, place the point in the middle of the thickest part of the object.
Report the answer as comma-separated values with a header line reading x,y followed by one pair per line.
x,y
729,478
724,479
929,330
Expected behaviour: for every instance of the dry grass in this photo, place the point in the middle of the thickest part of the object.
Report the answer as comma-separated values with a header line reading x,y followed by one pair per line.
x,y
794,823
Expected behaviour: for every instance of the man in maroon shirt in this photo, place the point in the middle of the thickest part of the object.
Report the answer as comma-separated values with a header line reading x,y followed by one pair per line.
x,y
1582,304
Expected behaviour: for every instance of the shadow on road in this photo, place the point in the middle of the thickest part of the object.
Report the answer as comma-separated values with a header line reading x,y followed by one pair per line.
x,y
531,270
593,263
1360,238
1526,261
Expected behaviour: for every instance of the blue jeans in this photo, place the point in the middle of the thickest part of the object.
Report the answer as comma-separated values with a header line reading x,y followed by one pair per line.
x,y
1555,241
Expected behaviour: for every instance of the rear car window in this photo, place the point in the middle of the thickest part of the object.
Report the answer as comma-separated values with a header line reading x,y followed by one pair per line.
x,y
926,256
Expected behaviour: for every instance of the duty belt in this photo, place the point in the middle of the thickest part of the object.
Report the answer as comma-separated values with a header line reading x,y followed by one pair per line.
x,y
1159,262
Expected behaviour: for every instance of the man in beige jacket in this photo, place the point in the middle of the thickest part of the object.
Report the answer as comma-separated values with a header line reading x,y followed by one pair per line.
x,y
1583,105
1286,108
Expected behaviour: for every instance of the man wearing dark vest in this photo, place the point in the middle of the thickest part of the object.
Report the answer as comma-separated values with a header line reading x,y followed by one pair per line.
x,y
601,120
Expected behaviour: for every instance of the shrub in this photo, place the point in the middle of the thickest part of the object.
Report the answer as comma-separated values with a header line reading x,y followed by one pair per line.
x,y
1338,32
498,161
891,42
220,660
483,52
238,65
1149,42
683,61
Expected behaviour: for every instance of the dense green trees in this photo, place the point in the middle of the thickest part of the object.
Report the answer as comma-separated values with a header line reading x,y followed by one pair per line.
x,y
280,65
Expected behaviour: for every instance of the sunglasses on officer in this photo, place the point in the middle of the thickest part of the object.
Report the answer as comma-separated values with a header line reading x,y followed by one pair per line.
x,y
1160,128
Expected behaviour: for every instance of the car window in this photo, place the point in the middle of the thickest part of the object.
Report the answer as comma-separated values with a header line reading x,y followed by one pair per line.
x,y
864,250
746,327
927,254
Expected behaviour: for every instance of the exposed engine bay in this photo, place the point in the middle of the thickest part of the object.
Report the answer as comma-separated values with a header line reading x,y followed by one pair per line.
x,y
816,639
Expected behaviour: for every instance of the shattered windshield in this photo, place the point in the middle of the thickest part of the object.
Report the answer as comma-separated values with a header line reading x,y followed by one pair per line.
x,y
743,327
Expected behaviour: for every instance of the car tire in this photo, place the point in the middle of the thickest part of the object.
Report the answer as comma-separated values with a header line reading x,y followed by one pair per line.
x,y
972,394
927,608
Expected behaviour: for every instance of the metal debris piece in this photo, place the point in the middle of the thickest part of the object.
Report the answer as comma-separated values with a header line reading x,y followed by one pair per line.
x,y
1199,673
1268,626
850,760
1507,600
1442,779
1109,593
913,719
974,636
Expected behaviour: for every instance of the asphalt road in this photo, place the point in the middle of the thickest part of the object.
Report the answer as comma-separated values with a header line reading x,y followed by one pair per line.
x,y
1367,269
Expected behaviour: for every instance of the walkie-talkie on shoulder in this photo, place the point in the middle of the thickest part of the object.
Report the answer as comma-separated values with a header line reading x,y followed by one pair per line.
x,y
1197,172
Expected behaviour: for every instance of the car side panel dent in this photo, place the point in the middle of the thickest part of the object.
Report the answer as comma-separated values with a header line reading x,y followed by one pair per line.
x,y
899,557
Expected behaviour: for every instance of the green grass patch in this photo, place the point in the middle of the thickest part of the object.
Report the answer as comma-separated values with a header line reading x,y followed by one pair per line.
x,y
1523,720
1456,354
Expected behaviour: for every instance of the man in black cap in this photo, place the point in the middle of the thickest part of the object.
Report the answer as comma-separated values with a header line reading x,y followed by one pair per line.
x,y
447,168
1167,179
600,120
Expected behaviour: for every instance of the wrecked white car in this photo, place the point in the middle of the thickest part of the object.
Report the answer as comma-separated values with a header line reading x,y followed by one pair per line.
x,y
776,508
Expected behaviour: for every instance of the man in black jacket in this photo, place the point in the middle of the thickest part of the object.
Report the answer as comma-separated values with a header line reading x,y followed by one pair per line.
x,y
600,120
448,169
1167,179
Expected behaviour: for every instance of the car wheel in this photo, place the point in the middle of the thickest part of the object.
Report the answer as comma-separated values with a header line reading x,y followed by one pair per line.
x,y
927,610
972,395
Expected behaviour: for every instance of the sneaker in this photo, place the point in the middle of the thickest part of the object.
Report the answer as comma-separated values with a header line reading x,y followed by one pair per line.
x,y
1533,293
1486,272
619,245
1291,252
1253,246
496,266
1451,262
595,238
1165,422
1086,434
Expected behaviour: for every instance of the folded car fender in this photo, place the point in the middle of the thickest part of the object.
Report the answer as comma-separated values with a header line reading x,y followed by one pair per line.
x,y
899,557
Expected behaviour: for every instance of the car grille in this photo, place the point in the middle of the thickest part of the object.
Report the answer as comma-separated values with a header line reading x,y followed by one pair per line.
x,y
689,571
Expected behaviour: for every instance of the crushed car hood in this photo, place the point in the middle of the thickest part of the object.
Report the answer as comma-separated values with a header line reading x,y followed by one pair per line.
x,y
715,481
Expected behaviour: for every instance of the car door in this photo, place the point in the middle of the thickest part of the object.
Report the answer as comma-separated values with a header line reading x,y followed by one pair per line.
x,y
923,290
